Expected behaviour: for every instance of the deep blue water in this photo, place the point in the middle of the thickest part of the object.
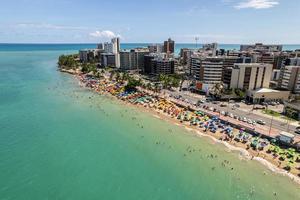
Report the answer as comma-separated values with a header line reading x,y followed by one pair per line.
x,y
71,47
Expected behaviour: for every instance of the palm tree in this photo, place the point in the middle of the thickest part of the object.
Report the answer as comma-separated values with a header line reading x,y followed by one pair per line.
x,y
217,90
182,79
112,73
118,76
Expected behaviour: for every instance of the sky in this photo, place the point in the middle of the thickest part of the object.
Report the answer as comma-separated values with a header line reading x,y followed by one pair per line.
x,y
150,21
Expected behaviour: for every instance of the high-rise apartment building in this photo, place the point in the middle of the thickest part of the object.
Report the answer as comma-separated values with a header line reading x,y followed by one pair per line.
x,y
290,79
251,76
169,46
133,59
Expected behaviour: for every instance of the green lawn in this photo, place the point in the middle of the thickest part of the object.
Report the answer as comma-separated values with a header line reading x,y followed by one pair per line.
x,y
271,112
277,114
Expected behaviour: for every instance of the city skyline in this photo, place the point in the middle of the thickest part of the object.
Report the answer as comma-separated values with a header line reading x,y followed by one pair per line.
x,y
222,21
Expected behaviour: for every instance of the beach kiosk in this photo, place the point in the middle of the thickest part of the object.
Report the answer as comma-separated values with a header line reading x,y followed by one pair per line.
x,y
286,137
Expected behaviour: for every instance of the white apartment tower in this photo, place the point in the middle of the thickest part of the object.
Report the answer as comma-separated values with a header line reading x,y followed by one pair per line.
x,y
251,76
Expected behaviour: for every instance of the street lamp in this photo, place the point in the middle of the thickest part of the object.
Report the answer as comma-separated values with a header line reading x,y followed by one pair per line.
x,y
271,125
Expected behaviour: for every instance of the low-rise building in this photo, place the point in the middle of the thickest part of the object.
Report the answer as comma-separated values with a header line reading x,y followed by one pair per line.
x,y
266,95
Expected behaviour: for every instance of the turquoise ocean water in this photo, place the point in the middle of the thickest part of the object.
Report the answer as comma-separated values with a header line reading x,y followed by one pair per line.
x,y
61,141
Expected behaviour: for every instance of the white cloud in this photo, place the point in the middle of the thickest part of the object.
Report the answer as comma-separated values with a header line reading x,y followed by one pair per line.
x,y
257,4
103,34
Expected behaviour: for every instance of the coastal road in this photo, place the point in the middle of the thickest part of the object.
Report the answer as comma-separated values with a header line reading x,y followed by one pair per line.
x,y
281,126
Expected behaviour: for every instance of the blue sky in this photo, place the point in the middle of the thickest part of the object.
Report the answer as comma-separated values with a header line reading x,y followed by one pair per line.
x,y
81,21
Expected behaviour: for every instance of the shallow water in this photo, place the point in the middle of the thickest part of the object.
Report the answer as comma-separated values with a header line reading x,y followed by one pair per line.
x,y
60,141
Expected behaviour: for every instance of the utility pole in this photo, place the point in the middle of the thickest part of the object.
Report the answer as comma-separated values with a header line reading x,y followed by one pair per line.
x,y
271,125
196,39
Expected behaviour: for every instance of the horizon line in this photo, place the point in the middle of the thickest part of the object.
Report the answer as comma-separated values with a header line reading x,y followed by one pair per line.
x,y
83,43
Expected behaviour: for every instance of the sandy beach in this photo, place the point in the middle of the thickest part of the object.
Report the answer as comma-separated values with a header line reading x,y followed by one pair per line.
x,y
243,149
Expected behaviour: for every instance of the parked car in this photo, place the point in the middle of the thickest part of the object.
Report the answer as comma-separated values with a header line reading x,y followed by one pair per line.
x,y
261,122
223,105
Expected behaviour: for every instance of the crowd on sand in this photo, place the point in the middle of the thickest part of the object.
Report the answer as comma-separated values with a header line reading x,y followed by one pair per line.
x,y
286,160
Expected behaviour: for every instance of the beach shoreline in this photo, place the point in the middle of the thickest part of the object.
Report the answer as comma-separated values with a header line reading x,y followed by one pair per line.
x,y
249,154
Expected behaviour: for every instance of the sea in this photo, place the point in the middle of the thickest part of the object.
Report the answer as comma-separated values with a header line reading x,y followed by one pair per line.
x,y
64,142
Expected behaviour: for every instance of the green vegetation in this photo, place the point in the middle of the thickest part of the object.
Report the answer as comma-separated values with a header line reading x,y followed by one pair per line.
x,y
132,84
169,81
240,93
291,114
68,61
89,67
217,90
272,113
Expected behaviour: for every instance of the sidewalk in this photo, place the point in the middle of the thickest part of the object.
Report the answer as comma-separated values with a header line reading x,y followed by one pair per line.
x,y
260,113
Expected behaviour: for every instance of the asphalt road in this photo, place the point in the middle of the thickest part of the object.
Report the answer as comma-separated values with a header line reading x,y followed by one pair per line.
x,y
275,123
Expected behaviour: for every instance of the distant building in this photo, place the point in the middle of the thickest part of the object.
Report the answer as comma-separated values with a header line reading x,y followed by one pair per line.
x,y
251,76
275,75
125,60
133,59
169,46
211,47
162,66
292,61
290,79
233,53
148,63
108,60
100,46
261,47
155,48
87,55
185,54
114,48
207,71
108,47
293,108
228,64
